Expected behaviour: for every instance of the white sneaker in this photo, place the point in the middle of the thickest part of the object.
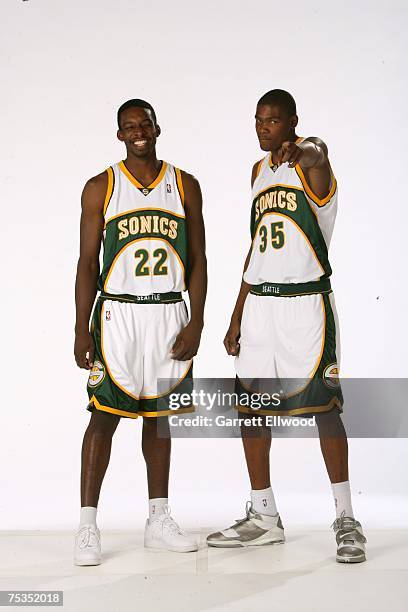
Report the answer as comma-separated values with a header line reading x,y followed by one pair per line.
x,y
163,533
87,546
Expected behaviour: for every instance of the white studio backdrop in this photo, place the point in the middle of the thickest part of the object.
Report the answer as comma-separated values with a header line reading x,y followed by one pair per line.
x,y
67,66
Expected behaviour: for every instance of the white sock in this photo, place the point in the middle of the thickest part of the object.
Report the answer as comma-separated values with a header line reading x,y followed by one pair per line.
x,y
263,501
156,506
342,498
87,516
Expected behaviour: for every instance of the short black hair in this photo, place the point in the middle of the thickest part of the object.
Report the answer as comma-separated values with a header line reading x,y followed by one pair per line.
x,y
139,103
281,98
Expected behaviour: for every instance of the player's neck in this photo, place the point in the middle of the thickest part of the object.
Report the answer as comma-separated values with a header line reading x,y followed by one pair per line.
x,y
144,169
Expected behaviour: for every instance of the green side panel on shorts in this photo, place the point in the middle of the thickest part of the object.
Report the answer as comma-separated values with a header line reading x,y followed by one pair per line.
x,y
104,389
303,216
322,390
112,244
164,403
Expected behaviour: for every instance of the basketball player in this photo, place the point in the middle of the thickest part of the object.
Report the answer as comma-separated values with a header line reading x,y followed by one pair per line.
x,y
284,323
149,216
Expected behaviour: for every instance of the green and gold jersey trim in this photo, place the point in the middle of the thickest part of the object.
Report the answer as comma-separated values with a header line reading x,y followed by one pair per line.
x,y
109,189
143,211
319,201
137,183
180,186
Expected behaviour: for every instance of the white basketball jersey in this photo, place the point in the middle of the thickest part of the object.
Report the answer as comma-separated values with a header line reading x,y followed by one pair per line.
x,y
291,227
145,244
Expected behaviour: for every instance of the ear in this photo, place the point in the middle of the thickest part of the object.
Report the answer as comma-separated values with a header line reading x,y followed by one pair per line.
x,y
120,135
158,131
294,121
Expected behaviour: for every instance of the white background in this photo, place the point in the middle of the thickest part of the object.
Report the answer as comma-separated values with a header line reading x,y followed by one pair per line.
x,y
66,67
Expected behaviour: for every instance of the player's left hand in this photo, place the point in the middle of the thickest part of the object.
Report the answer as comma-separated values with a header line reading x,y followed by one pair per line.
x,y
289,152
187,343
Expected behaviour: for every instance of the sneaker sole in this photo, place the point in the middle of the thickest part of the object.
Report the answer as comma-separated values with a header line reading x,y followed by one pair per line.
x,y
235,544
171,548
87,562
358,559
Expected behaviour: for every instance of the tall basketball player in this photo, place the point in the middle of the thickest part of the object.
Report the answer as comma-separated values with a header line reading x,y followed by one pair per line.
x,y
148,214
284,323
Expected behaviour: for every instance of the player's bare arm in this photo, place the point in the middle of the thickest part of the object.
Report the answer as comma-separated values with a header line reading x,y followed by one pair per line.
x,y
91,228
188,340
231,340
312,156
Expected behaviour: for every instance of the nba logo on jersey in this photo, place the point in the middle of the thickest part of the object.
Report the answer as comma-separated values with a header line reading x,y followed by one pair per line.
x,y
168,188
108,315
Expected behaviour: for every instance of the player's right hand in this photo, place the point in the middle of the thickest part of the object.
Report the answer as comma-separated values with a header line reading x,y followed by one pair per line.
x,y
84,350
232,337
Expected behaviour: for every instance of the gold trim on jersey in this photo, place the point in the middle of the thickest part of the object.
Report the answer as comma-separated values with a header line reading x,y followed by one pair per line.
x,y
258,169
298,227
319,201
100,406
109,189
148,397
180,186
139,185
148,208
277,185
105,360
137,240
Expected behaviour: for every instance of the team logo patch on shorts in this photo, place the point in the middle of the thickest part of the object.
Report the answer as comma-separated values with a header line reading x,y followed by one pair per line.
x,y
331,375
97,374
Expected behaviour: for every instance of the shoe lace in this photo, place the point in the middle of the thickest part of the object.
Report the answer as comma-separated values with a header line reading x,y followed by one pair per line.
x,y
248,508
170,523
348,528
344,522
84,537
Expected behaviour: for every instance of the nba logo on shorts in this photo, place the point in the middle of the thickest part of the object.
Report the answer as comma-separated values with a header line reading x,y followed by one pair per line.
x,y
108,315
168,188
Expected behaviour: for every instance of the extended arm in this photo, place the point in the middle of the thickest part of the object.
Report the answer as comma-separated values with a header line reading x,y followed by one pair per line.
x,y
91,229
188,340
312,156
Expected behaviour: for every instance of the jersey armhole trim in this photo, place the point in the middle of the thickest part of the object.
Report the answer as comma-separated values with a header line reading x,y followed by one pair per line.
x,y
319,201
180,187
109,190
258,169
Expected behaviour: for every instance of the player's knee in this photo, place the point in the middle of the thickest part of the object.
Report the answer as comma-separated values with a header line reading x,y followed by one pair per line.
x,y
103,422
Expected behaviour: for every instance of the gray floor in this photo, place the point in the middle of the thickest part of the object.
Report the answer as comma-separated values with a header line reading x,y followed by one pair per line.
x,y
299,576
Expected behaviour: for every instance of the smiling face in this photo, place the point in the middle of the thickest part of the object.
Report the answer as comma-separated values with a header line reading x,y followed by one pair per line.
x,y
138,131
273,126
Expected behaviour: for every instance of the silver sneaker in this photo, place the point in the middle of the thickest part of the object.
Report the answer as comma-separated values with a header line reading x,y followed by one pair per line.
x,y
350,540
254,530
